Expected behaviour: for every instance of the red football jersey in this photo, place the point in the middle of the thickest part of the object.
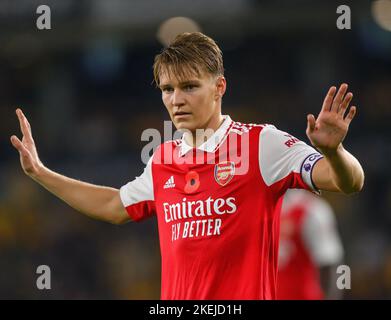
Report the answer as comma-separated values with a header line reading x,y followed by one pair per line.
x,y
218,208
308,240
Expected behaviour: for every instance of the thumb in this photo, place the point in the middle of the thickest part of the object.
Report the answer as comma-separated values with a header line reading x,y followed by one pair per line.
x,y
310,123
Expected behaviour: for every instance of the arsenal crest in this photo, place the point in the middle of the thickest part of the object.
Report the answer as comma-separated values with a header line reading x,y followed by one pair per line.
x,y
224,172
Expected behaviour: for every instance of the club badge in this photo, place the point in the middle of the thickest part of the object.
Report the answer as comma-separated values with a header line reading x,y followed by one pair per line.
x,y
224,172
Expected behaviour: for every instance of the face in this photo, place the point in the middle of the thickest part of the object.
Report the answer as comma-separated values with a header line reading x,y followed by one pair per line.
x,y
195,102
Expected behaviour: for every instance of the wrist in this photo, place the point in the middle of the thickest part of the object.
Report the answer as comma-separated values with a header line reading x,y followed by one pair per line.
x,y
39,172
332,153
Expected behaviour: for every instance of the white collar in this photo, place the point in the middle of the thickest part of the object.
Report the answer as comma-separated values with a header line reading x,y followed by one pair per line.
x,y
213,142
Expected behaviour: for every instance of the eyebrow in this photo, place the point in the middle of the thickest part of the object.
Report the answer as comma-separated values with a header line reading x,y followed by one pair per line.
x,y
182,84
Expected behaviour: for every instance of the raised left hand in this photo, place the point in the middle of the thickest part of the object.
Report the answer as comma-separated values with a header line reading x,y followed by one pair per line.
x,y
330,128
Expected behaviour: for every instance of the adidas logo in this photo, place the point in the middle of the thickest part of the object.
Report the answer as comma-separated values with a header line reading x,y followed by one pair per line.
x,y
169,183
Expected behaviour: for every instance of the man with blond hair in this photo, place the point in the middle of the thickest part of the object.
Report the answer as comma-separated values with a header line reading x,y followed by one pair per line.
x,y
217,191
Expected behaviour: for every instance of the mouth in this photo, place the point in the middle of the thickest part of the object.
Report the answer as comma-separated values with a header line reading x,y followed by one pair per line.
x,y
181,114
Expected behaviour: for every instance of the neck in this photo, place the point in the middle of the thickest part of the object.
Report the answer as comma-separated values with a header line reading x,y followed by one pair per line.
x,y
207,131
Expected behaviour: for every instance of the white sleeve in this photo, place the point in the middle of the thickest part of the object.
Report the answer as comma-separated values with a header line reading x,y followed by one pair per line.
x,y
138,197
282,156
320,234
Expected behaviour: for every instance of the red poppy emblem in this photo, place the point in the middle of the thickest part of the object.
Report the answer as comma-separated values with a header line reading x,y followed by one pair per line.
x,y
224,172
192,182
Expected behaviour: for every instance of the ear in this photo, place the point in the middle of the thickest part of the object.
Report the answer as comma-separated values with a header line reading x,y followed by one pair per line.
x,y
221,86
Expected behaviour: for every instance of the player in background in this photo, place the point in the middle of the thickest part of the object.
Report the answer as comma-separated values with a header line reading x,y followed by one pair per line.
x,y
218,219
310,249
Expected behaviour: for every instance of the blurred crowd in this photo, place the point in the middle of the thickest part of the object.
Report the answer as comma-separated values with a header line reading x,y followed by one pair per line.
x,y
88,106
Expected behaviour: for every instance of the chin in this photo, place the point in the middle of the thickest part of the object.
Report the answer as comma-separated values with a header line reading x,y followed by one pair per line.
x,y
184,125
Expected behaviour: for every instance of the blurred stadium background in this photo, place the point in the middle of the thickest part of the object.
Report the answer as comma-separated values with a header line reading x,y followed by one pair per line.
x,y
86,87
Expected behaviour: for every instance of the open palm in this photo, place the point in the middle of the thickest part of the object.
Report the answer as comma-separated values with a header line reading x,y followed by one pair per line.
x,y
330,128
29,159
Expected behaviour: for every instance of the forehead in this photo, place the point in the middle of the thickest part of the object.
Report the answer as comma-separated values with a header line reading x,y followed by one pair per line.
x,y
173,77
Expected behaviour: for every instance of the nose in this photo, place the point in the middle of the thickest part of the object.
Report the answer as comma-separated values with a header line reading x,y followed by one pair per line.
x,y
177,98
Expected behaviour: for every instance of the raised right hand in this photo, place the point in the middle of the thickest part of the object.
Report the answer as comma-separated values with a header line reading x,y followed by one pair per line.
x,y
29,159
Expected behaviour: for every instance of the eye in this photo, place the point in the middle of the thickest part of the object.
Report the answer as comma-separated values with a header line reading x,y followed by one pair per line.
x,y
190,87
167,89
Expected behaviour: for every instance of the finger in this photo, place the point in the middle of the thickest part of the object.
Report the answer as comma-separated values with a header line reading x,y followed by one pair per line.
x,y
24,125
339,97
18,144
329,99
310,123
352,112
345,103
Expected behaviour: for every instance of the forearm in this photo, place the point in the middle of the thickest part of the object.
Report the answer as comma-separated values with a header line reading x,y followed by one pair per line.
x,y
345,170
95,201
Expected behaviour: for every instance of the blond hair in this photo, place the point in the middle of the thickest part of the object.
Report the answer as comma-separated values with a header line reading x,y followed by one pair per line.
x,y
189,54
